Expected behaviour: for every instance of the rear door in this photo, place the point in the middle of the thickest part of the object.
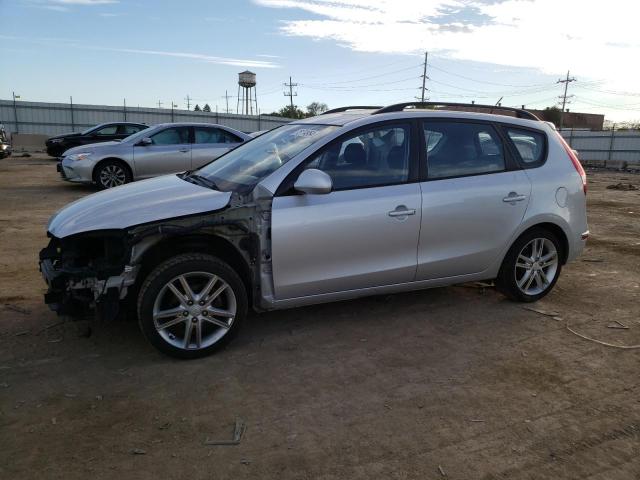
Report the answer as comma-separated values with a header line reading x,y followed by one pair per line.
x,y
474,197
362,234
170,152
209,143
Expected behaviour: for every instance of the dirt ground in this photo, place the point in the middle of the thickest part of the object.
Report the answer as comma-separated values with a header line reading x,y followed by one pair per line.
x,y
453,382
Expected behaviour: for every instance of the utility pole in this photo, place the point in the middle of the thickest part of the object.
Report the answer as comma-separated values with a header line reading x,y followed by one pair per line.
x,y
15,110
159,104
173,105
564,97
73,125
188,99
226,98
291,94
424,76
124,108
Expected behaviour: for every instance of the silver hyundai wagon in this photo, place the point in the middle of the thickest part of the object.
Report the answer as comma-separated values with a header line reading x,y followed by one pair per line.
x,y
358,201
157,150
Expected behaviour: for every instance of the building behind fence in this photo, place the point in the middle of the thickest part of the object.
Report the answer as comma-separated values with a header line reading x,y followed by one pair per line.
x,y
56,118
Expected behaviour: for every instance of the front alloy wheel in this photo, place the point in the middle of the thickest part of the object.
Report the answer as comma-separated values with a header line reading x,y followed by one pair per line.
x,y
191,305
112,174
194,310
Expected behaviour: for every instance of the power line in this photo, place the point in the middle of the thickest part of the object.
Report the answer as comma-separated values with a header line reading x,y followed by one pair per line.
x,y
487,82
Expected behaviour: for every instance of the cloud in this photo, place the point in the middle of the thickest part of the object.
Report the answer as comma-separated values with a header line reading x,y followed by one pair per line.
x,y
592,40
70,43
196,56
84,2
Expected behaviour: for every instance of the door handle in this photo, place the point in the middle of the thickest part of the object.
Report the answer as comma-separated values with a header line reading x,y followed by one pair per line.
x,y
514,197
402,211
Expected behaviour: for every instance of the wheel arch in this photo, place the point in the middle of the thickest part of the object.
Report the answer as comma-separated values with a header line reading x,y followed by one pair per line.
x,y
556,230
210,244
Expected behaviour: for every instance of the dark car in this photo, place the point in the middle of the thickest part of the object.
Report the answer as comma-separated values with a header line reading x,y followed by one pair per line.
x,y
105,132
5,144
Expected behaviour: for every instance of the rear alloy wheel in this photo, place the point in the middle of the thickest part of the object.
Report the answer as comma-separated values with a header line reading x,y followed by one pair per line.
x,y
531,267
191,305
112,174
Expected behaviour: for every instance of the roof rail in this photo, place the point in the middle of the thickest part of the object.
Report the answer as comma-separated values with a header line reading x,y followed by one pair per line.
x,y
398,107
354,107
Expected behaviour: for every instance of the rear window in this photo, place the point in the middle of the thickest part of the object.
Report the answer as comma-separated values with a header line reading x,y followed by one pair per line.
x,y
530,145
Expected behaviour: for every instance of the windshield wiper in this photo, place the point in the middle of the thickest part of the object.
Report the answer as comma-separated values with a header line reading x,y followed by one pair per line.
x,y
200,180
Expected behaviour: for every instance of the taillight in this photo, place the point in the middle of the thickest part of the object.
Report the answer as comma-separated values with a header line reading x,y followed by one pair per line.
x,y
575,161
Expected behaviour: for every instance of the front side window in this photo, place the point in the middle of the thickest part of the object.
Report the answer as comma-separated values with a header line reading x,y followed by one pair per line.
x,y
457,149
375,157
243,167
110,130
214,135
530,145
171,136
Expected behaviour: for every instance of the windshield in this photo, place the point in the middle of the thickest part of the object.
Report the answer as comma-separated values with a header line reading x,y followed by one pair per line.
x,y
242,168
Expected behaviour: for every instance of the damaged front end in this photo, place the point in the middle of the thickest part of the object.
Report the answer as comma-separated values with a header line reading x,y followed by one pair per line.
x,y
84,271
94,271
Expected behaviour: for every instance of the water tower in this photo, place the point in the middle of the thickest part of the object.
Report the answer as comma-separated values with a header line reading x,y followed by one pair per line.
x,y
247,93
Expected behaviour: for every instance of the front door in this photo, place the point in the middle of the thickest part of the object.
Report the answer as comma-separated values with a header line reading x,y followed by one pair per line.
x,y
473,201
362,234
169,152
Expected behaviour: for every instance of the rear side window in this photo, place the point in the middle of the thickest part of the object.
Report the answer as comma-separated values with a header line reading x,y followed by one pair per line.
x,y
214,135
530,145
456,149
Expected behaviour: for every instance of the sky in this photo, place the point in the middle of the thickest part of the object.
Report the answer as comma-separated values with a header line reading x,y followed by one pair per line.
x,y
340,52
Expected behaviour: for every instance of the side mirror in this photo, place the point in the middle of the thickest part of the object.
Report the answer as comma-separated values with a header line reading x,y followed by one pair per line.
x,y
145,141
313,181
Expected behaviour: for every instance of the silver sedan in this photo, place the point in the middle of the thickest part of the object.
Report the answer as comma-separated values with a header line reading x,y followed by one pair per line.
x,y
158,150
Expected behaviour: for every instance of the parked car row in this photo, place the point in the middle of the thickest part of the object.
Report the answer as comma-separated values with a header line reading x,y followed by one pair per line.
x,y
357,201
126,152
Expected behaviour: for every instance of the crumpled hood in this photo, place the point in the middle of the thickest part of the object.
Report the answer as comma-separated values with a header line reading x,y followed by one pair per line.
x,y
134,204
90,147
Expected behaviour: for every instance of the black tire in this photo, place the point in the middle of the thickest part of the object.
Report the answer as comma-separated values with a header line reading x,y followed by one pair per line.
x,y
110,169
507,281
151,295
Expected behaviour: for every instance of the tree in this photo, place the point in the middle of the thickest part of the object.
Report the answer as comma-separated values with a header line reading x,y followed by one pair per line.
x,y
197,108
552,114
316,108
206,108
288,113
